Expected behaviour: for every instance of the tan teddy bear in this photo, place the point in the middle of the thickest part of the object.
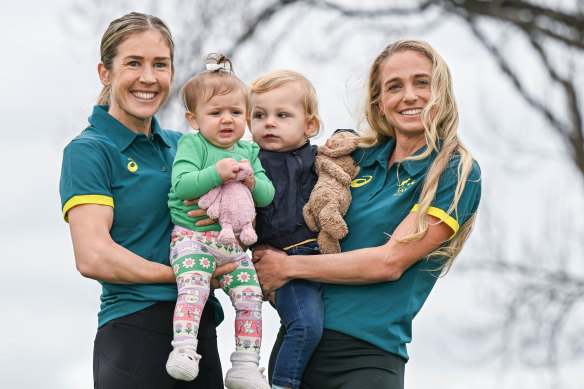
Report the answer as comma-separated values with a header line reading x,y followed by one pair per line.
x,y
331,196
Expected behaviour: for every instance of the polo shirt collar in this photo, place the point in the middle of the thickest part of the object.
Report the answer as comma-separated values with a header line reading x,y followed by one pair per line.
x,y
119,134
380,154
416,166
367,157
157,132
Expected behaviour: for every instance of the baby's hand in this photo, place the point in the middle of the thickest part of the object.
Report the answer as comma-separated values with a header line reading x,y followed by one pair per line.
x,y
249,181
227,169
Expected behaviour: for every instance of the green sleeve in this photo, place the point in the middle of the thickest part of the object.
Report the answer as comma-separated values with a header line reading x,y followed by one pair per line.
x,y
190,179
263,193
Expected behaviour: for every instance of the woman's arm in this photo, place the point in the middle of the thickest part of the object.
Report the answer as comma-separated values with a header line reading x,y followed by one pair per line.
x,y
364,266
98,257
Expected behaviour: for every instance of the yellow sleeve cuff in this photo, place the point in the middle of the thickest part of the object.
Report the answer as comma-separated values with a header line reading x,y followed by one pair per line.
x,y
86,199
443,216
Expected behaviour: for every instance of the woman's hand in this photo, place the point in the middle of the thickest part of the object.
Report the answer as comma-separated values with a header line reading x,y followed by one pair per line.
x,y
199,212
271,267
219,271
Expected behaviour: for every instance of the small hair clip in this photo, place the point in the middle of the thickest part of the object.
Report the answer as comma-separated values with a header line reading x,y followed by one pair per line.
x,y
218,66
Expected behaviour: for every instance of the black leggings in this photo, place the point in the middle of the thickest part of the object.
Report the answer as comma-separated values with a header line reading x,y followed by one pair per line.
x,y
131,351
343,362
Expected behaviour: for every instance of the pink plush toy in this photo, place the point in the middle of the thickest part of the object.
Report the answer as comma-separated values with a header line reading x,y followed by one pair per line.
x,y
232,204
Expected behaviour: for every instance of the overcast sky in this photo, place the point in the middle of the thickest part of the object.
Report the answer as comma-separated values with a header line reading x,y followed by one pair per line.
x,y
49,311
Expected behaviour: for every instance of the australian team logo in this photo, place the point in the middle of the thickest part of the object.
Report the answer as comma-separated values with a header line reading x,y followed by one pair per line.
x,y
403,186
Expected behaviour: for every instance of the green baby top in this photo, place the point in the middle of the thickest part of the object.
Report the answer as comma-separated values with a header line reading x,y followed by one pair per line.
x,y
194,174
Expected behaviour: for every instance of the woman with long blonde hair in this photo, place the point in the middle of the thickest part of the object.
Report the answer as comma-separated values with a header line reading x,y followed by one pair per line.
x,y
413,207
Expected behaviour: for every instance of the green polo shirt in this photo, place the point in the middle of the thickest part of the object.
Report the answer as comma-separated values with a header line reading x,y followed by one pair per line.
x,y
109,164
382,313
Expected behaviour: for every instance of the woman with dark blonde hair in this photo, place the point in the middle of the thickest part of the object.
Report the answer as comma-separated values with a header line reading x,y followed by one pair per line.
x,y
413,207
114,189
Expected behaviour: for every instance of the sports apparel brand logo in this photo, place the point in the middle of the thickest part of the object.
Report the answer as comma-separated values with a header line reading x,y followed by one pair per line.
x,y
132,165
357,182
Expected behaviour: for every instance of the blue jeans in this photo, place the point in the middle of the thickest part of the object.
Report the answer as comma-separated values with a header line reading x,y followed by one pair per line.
x,y
299,304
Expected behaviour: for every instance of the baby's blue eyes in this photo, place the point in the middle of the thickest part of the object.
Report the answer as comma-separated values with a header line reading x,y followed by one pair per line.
x,y
261,115
217,113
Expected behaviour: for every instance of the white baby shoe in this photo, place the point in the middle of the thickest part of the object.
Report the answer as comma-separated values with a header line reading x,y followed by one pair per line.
x,y
245,373
183,361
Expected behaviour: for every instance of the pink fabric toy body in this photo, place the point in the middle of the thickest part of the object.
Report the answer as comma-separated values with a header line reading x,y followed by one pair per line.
x,y
233,205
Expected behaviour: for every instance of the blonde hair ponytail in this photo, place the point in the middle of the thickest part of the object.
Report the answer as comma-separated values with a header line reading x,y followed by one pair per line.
x,y
104,96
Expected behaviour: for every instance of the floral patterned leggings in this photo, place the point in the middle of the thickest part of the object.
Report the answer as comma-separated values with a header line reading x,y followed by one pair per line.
x,y
194,255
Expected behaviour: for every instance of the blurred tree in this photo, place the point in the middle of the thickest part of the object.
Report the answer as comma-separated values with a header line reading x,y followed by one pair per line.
x,y
543,295
539,308
554,31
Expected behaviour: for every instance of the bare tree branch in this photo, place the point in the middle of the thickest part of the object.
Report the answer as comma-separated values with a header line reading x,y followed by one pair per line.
x,y
506,69
378,12
561,26
252,27
575,133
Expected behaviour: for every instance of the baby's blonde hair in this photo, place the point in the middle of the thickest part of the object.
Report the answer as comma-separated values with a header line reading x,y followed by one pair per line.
x,y
210,83
277,78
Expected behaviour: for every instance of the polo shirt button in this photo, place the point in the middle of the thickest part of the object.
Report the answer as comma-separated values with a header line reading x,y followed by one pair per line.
x,y
163,168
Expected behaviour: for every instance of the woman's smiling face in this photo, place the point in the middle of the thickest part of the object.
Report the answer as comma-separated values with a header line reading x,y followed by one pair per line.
x,y
140,78
405,90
